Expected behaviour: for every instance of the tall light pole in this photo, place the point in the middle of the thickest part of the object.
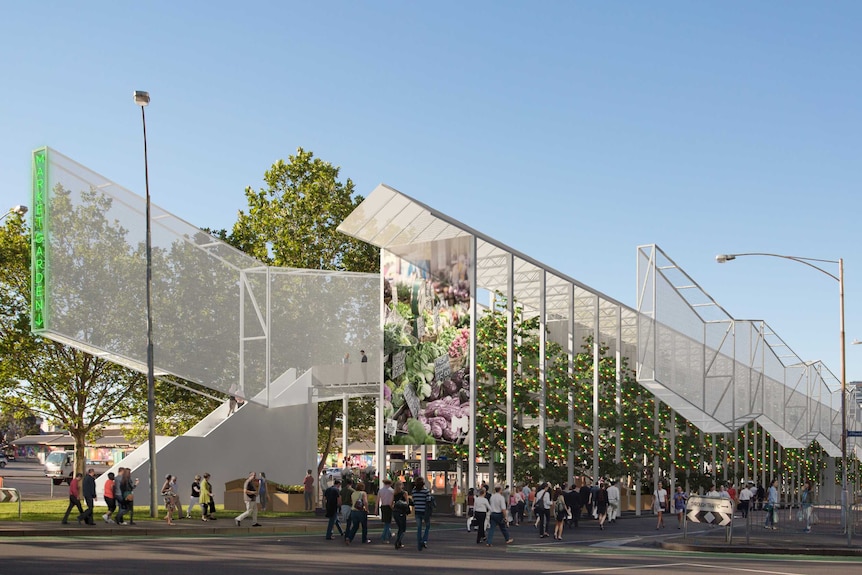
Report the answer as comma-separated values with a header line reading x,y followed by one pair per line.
x,y
142,99
20,210
846,503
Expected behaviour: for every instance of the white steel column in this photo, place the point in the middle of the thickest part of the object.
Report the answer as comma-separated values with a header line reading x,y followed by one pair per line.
x,y
619,385
345,405
596,350
379,438
570,458
471,449
510,376
543,391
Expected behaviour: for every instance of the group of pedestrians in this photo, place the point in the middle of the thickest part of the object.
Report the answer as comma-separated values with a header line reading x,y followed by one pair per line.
x,y
346,506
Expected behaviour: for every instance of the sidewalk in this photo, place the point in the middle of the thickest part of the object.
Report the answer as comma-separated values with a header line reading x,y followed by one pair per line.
x,y
788,539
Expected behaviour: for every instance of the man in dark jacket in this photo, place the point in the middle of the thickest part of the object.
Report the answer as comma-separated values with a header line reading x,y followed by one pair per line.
x,y
88,487
573,502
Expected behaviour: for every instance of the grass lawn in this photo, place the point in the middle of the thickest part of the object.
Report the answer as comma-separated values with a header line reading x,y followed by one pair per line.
x,y
53,510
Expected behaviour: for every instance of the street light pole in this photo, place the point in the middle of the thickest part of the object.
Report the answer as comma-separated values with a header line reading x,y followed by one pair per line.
x,y
846,503
142,99
20,210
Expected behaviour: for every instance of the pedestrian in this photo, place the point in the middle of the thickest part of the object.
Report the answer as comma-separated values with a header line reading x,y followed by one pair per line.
x,y
178,504
573,503
170,497
195,498
585,497
118,495
514,502
713,492
745,496
561,512
771,506
807,506
332,501
601,504
110,500
262,494
308,490
129,485
660,504
421,497
400,511
679,498
543,509
358,515
499,516
760,495
471,508
384,503
74,499
481,510
613,502
346,504
207,500
363,358
88,490
249,489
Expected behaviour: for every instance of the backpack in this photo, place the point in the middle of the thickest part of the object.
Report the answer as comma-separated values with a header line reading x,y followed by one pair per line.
x,y
560,505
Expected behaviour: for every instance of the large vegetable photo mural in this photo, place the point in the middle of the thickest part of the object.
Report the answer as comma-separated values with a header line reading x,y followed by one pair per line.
x,y
426,349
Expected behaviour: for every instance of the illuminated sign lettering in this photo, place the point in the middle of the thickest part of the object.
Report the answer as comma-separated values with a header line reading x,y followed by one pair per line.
x,y
38,239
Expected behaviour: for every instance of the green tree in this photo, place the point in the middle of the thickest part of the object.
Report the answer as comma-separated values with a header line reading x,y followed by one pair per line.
x,y
72,388
291,222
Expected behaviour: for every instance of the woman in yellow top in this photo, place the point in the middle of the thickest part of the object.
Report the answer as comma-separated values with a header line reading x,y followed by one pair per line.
x,y
206,497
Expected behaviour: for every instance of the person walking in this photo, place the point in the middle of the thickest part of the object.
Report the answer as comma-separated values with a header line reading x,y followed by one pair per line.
x,y
400,511
660,504
543,509
771,505
613,502
74,499
332,501
499,516
195,498
679,498
346,504
88,490
421,497
178,504
561,512
745,496
110,500
262,495
573,502
127,494
249,489
481,509
170,497
118,495
207,503
308,490
601,503
384,502
358,515
808,506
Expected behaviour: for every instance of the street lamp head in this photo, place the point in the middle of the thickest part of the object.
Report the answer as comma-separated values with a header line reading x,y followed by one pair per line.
x,y
20,210
142,98
722,258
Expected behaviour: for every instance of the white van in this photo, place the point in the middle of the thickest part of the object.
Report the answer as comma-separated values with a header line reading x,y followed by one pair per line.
x,y
59,466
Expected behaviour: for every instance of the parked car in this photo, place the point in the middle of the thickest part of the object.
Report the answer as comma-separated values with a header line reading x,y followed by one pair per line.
x,y
3,460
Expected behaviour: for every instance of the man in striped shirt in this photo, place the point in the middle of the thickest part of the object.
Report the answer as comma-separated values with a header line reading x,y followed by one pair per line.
x,y
421,497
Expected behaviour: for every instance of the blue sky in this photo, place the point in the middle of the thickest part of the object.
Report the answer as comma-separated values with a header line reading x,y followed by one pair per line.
x,y
571,131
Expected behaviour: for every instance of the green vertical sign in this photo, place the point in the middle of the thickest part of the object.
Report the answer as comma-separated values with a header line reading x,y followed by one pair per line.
x,y
38,294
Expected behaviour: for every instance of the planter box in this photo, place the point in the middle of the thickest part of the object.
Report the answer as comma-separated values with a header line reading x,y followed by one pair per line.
x,y
283,502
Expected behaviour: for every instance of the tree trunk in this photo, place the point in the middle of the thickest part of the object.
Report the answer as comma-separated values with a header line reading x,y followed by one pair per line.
x,y
333,415
80,438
